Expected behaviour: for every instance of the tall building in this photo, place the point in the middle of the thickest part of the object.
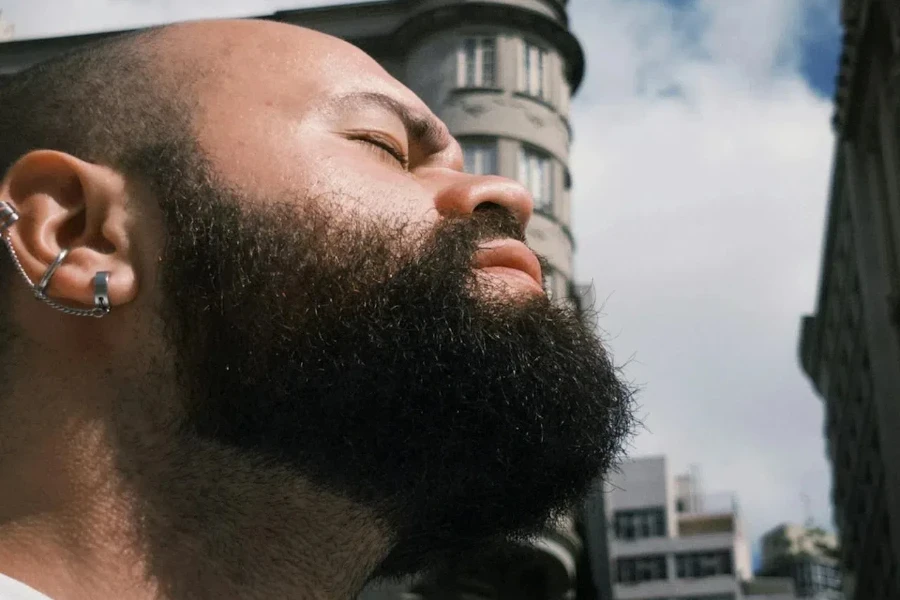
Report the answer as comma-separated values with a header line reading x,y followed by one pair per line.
x,y
500,74
671,540
849,347
805,555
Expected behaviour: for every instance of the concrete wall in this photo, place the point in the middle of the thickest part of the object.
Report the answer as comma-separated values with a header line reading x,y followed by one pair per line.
x,y
677,588
660,545
639,484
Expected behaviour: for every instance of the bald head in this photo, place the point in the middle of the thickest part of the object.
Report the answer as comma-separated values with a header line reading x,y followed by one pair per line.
x,y
105,100
98,103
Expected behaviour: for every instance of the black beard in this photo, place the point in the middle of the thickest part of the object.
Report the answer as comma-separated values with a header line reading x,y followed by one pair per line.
x,y
362,357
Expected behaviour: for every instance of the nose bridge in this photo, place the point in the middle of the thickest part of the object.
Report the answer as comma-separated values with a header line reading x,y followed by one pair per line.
x,y
464,193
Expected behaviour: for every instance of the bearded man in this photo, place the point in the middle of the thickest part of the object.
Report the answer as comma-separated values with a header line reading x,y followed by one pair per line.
x,y
325,356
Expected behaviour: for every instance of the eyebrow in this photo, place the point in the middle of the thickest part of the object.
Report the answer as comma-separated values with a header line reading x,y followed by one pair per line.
x,y
425,129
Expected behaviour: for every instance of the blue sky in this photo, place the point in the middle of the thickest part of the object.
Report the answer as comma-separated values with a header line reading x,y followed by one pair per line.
x,y
820,41
821,47
699,217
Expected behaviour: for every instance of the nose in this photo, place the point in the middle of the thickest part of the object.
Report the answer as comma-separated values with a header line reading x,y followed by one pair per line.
x,y
465,193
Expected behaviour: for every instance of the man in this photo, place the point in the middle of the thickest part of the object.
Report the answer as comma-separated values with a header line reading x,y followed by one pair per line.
x,y
324,355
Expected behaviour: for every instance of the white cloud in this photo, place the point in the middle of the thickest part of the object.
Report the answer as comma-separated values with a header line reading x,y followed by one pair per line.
x,y
699,216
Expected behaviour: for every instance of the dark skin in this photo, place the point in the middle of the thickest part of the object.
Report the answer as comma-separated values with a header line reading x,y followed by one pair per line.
x,y
281,109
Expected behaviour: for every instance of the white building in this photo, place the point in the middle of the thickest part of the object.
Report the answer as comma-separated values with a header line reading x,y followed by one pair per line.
x,y
670,541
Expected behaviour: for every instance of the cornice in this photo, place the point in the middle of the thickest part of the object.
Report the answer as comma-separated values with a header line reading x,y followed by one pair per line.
x,y
490,13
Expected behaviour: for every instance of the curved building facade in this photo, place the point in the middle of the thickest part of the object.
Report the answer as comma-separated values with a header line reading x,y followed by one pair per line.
x,y
500,74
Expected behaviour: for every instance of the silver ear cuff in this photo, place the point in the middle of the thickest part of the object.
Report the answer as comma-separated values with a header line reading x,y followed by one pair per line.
x,y
8,217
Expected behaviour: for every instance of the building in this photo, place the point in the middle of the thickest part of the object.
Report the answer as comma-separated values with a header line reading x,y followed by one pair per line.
x,y
849,347
806,555
500,74
769,588
670,540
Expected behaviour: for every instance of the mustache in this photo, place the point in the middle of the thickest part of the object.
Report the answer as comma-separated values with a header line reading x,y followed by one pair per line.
x,y
487,222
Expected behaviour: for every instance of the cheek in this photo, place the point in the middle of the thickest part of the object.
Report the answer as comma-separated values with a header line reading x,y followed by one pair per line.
x,y
256,154
271,160
375,192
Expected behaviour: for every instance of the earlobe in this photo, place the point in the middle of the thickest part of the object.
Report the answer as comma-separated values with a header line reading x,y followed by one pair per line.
x,y
66,227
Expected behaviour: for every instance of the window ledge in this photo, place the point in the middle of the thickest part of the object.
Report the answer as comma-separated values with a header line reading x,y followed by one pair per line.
x,y
537,99
462,89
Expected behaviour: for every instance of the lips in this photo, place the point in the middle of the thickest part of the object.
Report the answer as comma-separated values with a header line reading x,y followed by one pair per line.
x,y
509,254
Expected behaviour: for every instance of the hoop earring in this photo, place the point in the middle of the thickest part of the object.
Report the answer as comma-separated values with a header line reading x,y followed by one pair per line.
x,y
102,307
8,216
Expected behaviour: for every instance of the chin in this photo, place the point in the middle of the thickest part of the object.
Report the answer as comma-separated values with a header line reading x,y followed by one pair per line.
x,y
508,286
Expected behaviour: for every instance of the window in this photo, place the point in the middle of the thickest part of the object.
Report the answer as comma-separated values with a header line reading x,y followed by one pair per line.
x,y
533,71
535,173
641,568
812,578
479,157
476,62
704,564
641,523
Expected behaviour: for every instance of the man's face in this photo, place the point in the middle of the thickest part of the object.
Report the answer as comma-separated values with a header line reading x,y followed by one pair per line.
x,y
325,310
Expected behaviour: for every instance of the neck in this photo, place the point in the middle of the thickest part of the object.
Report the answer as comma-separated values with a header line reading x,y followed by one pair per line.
x,y
140,515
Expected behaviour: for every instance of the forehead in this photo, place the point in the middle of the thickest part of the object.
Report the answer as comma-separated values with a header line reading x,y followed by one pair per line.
x,y
250,64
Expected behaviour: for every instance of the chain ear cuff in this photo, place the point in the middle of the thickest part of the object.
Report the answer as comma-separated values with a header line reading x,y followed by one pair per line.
x,y
8,217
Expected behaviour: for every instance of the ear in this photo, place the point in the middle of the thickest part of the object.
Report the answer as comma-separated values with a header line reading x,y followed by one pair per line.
x,y
67,203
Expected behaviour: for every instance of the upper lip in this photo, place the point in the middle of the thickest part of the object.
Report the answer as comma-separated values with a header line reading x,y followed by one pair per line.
x,y
509,253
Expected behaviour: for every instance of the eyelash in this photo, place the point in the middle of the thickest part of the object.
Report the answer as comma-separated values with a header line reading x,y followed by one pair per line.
x,y
387,148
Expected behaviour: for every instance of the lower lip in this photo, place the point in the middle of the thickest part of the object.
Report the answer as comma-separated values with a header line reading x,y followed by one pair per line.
x,y
513,276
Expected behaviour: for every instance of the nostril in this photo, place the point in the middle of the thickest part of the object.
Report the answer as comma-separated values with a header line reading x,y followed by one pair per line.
x,y
496,221
489,206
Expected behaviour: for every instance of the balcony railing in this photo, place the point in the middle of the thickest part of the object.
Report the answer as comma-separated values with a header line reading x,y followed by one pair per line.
x,y
707,504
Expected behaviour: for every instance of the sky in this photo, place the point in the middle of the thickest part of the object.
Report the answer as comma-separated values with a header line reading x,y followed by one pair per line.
x,y
700,168
701,164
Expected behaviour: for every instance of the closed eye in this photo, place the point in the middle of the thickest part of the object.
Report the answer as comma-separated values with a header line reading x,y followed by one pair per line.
x,y
384,149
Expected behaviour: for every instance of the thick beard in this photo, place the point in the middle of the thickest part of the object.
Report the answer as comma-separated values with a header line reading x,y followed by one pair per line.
x,y
367,360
